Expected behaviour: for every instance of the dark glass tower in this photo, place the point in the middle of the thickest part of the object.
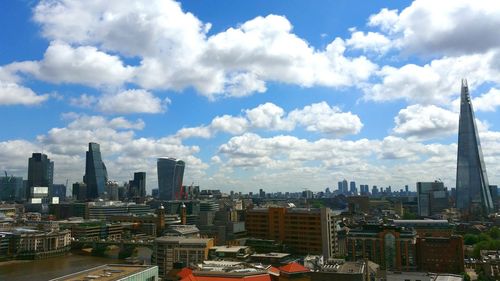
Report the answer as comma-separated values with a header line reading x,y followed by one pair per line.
x,y
473,193
40,172
137,186
170,176
96,174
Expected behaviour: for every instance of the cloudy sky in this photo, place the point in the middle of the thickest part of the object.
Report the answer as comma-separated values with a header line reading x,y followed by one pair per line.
x,y
280,95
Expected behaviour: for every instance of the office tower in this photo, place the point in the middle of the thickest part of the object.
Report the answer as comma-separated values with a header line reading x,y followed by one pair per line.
x,y
262,193
40,173
352,188
79,191
137,186
96,175
155,192
374,190
473,193
170,175
10,187
344,187
58,190
432,198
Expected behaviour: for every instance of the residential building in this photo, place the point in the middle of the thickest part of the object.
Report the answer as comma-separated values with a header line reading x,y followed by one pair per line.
x,y
305,231
473,193
170,177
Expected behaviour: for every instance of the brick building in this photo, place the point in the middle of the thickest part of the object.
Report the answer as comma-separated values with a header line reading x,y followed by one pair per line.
x,y
441,254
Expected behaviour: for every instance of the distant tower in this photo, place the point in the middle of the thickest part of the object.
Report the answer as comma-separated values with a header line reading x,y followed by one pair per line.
x,y
137,187
40,173
96,175
473,194
170,176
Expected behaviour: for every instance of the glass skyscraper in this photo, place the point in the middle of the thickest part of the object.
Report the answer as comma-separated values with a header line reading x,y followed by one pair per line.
x,y
473,194
40,173
96,174
170,176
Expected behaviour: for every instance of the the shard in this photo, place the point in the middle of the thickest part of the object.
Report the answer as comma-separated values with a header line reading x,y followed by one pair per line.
x,y
473,193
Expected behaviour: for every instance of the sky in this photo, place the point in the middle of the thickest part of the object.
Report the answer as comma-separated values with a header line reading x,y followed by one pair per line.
x,y
279,95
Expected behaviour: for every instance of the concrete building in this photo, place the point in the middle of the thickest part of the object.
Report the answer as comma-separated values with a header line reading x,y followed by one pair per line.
x,y
168,250
305,231
432,198
114,272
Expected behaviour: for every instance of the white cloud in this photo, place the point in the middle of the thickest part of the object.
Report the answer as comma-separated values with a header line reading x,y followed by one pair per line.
x,y
84,100
437,82
451,27
132,101
320,117
425,122
12,93
175,53
369,42
268,116
488,101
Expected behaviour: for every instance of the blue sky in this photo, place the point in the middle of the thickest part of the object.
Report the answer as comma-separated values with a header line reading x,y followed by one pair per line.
x,y
251,94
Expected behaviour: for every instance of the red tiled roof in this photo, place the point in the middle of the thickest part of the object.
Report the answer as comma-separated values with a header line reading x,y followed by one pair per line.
x,y
184,272
273,270
294,268
262,277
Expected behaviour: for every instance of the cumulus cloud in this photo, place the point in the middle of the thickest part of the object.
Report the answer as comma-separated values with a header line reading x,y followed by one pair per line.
x,y
318,117
174,51
444,27
369,42
488,101
132,101
12,93
437,82
425,122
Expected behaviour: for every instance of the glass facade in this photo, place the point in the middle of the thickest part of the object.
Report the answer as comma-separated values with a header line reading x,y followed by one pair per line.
x,y
40,172
473,194
170,176
96,174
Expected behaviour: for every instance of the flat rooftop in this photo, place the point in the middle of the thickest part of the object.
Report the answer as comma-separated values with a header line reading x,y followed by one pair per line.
x,y
271,255
230,249
108,272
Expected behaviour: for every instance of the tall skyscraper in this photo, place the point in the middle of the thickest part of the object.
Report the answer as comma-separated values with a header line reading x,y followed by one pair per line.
x,y
96,174
137,186
40,173
352,188
170,176
473,193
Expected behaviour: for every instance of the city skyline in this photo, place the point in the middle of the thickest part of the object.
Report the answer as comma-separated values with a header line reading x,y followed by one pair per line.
x,y
250,96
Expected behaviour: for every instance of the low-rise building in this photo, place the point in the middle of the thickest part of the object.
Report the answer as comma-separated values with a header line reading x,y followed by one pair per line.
x,y
229,252
114,272
170,249
26,243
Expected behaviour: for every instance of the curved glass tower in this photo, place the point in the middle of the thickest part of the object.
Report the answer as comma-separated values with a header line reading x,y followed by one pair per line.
x,y
473,193
170,176
96,174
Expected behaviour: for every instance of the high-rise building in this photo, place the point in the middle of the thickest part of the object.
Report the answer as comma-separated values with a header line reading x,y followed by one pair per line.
x,y
352,188
10,187
170,176
40,173
473,193
96,175
137,186
432,198
344,187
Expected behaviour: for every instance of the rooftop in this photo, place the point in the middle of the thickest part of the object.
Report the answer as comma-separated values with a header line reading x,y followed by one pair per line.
x,y
109,272
230,249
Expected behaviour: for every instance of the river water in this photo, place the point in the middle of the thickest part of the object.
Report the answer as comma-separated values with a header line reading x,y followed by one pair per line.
x,y
46,269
